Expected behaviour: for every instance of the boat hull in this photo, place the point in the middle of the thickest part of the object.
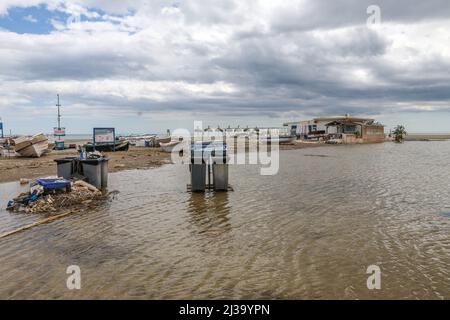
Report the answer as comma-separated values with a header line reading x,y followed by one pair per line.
x,y
32,147
35,150
120,146
169,146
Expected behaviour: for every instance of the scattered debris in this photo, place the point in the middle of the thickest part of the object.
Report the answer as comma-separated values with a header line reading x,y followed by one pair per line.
x,y
54,194
24,181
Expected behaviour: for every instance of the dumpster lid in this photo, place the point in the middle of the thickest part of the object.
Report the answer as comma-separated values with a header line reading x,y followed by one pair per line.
x,y
94,161
209,146
66,159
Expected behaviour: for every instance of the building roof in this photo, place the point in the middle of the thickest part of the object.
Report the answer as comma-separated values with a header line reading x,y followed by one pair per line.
x,y
345,118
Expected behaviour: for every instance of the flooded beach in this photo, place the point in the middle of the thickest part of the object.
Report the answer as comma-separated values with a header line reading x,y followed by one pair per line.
x,y
309,232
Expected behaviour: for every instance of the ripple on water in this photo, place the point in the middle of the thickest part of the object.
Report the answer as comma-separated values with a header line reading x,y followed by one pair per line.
x,y
308,232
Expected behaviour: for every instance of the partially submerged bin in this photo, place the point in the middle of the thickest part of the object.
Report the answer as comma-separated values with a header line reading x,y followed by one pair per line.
x,y
66,167
96,171
205,155
220,173
198,167
198,175
219,158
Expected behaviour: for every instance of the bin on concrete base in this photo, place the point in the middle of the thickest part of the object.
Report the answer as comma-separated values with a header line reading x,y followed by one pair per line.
x,y
65,167
96,171
198,175
220,174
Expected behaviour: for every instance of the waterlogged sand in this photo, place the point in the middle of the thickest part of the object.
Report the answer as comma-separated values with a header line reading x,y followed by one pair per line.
x,y
30,168
14,169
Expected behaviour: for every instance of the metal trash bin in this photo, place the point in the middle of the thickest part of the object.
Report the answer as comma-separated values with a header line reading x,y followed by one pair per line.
x,y
204,155
220,173
198,174
198,167
219,159
96,171
65,167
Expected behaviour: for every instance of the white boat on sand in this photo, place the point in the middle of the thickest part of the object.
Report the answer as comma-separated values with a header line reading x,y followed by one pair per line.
x,y
32,147
163,139
169,146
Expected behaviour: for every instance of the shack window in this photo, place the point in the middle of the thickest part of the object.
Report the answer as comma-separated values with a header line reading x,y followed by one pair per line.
x,y
349,129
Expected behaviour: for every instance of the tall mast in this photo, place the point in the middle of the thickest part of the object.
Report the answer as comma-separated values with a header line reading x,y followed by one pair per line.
x,y
59,114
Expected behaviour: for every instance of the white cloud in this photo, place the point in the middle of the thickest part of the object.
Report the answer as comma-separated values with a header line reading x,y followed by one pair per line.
x,y
30,18
251,58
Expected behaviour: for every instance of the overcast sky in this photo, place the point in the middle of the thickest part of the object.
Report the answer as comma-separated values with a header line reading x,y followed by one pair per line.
x,y
144,66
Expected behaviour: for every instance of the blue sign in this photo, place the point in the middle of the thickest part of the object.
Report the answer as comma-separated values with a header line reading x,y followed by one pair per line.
x,y
1,125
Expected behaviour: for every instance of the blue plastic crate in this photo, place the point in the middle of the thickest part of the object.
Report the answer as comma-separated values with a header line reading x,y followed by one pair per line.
x,y
53,184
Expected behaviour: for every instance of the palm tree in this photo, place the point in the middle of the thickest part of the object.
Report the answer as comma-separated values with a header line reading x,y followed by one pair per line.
x,y
399,133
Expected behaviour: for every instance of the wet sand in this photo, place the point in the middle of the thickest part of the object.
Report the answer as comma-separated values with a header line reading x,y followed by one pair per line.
x,y
13,169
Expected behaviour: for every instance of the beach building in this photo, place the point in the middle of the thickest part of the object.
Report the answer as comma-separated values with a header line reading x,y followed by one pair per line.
x,y
344,129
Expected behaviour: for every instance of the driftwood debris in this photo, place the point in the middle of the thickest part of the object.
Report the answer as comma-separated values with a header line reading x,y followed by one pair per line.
x,y
47,220
61,204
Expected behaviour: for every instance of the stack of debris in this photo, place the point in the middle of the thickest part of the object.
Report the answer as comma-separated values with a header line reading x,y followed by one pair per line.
x,y
54,194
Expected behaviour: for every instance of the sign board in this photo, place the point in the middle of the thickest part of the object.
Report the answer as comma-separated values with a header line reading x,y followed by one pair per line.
x,y
1,125
59,132
104,135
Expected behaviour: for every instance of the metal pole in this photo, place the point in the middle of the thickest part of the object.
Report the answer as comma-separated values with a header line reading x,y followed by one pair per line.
x,y
209,173
59,115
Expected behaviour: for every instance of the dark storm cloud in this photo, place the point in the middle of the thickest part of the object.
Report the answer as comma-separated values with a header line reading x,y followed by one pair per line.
x,y
324,14
316,57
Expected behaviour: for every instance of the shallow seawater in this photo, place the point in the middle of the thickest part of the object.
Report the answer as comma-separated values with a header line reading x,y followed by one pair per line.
x,y
310,231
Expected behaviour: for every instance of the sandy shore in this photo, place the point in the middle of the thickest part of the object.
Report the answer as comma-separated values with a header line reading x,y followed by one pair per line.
x,y
13,169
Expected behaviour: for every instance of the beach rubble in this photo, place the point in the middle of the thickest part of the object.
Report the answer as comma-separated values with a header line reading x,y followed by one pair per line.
x,y
51,195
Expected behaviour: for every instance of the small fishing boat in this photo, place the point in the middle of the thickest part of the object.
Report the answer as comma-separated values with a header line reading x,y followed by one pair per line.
x,y
32,147
163,139
139,140
108,147
169,146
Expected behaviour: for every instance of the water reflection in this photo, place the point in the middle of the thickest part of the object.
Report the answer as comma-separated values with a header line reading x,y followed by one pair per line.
x,y
210,212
